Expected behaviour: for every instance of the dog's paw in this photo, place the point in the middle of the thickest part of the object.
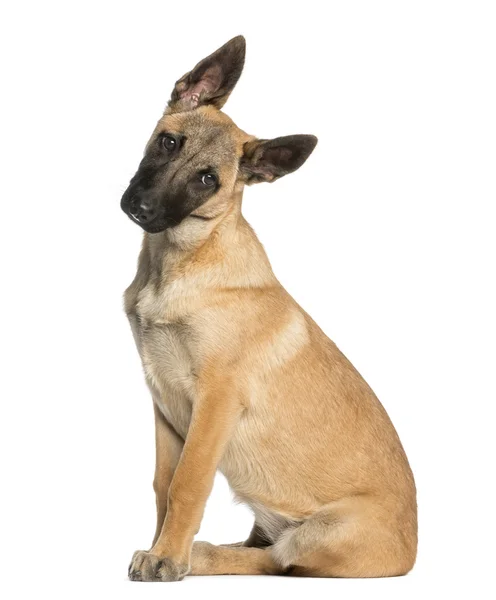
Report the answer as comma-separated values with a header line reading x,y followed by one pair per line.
x,y
148,567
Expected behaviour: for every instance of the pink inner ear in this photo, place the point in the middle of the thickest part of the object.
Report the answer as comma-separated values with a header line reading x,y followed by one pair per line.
x,y
209,83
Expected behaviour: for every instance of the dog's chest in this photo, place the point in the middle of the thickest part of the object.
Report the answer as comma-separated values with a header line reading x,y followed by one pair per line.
x,y
167,359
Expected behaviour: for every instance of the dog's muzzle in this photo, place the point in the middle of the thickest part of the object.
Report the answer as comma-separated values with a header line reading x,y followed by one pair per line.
x,y
141,207
142,210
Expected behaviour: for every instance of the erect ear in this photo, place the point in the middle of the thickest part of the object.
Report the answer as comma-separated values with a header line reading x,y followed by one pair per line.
x,y
267,160
212,80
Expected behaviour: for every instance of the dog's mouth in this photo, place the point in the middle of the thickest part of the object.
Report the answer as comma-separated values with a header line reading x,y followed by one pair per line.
x,y
156,228
155,225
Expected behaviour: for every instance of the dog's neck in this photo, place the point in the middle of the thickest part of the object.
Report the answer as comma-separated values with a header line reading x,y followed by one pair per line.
x,y
186,239
224,248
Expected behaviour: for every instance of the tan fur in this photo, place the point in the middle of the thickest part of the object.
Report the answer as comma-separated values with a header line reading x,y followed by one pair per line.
x,y
244,381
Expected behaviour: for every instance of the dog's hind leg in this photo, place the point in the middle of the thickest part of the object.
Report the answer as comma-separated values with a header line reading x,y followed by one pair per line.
x,y
353,537
207,559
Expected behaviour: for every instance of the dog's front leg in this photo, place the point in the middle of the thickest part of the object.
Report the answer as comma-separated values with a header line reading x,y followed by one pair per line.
x,y
168,447
214,417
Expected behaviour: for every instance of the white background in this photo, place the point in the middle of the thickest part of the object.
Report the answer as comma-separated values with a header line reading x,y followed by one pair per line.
x,y
386,237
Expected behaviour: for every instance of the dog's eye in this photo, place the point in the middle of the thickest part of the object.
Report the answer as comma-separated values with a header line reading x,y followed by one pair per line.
x,y
169,143
208,179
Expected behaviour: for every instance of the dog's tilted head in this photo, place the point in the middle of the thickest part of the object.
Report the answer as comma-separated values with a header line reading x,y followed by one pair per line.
x,y
197,156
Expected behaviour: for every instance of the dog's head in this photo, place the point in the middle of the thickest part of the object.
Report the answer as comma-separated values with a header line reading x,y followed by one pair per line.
x,y
197,156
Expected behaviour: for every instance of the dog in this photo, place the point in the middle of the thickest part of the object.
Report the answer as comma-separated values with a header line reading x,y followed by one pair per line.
x,y
242,379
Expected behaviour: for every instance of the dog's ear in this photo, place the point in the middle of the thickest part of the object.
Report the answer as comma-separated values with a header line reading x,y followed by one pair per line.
x,y
212,80
268,160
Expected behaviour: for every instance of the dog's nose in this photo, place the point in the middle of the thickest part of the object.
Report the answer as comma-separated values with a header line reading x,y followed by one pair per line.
x,y
143,211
